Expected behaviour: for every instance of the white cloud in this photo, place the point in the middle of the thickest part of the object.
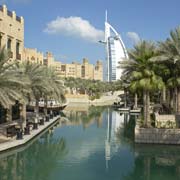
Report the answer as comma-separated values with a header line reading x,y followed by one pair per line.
x,y
75,27
134,37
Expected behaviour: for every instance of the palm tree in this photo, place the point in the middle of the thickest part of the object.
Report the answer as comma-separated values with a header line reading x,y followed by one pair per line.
x,y
12,84
38,84
170,56
140,69
56,90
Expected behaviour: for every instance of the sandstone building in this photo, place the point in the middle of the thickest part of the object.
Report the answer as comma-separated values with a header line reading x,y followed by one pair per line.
x,y
76,70
33,56
11,32
12,37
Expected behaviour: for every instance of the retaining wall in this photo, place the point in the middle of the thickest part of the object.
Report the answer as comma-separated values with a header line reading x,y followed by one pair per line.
x,y
157,136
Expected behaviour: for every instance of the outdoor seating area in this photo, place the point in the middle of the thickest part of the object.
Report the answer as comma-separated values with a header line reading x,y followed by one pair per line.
x,y
15,130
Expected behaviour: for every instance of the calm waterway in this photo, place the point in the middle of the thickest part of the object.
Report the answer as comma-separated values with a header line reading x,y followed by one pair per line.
x,y
96,143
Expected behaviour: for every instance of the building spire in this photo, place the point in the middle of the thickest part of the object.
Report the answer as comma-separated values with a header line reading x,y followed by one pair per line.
x,y
106,16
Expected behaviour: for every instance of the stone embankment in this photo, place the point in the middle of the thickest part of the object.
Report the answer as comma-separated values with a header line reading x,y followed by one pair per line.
x,y
157,136
107,99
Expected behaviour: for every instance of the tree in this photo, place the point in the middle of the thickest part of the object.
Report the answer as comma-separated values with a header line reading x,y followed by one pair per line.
x,y
12,84
170,56
56,89
140,70
38,84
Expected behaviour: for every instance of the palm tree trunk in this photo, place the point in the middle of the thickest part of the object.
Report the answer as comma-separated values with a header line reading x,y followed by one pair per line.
x,y
36,109
45,106
164,95
178,100
175,99
135,101
168,97
125,101
171,99
23,115
146,104
144,108
147,109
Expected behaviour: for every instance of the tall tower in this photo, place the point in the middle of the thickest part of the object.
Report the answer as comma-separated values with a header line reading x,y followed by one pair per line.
x,y
115,52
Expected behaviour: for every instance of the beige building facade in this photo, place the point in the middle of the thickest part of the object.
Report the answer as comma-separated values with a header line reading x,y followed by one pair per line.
x,y
33,56
12,37
76,70
98,71
11,32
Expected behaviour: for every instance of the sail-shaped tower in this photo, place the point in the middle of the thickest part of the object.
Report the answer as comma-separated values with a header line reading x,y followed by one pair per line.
x,y
115,52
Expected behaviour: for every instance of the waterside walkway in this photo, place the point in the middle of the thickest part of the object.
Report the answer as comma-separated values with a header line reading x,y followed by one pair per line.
x,y
12,143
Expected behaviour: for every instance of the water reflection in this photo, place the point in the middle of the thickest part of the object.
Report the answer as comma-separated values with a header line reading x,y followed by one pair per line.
x,y
116,122
156,162
96,143
36,162
84,115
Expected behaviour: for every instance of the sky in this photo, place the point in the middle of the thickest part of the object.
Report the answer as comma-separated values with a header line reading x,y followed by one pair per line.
x,y
70,29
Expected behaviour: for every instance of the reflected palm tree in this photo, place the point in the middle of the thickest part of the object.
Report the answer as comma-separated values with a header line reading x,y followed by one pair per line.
x,y
93,114
155,162
125,134
37,162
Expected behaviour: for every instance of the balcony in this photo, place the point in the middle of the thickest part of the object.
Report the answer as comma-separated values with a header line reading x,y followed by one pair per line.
x,y
18,56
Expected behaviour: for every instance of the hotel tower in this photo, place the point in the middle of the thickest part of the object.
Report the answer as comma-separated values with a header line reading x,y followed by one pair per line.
x,y
115,52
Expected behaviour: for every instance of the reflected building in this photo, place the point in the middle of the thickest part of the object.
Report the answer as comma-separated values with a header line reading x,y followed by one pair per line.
x,y
115,121
115,52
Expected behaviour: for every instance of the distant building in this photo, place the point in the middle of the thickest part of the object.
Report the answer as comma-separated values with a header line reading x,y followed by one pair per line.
x,y
49,59
98,71
11,32
12,37
76,70
33,56
115,52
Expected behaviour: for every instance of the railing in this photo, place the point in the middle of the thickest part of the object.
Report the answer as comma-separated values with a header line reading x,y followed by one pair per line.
x,y
18,56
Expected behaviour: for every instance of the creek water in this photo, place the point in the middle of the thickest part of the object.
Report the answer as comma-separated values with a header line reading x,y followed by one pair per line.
x,y
94,143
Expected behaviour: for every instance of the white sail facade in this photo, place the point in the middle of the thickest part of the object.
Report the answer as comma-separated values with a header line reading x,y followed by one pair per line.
x,y
115,52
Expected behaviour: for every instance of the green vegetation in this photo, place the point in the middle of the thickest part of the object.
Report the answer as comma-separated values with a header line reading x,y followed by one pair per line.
x,y
91,87
155,69
25,82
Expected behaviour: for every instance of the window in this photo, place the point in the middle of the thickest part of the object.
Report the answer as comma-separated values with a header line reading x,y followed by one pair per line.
x,y
9,44
17,47
33,58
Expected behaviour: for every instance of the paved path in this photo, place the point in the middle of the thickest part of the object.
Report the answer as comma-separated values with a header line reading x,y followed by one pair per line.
x,y
14,143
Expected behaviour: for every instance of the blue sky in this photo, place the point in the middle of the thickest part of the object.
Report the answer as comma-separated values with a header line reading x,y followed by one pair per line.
x,y
63,26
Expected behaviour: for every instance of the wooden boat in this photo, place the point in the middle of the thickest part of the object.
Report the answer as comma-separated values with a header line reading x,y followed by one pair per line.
x,y
51,105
